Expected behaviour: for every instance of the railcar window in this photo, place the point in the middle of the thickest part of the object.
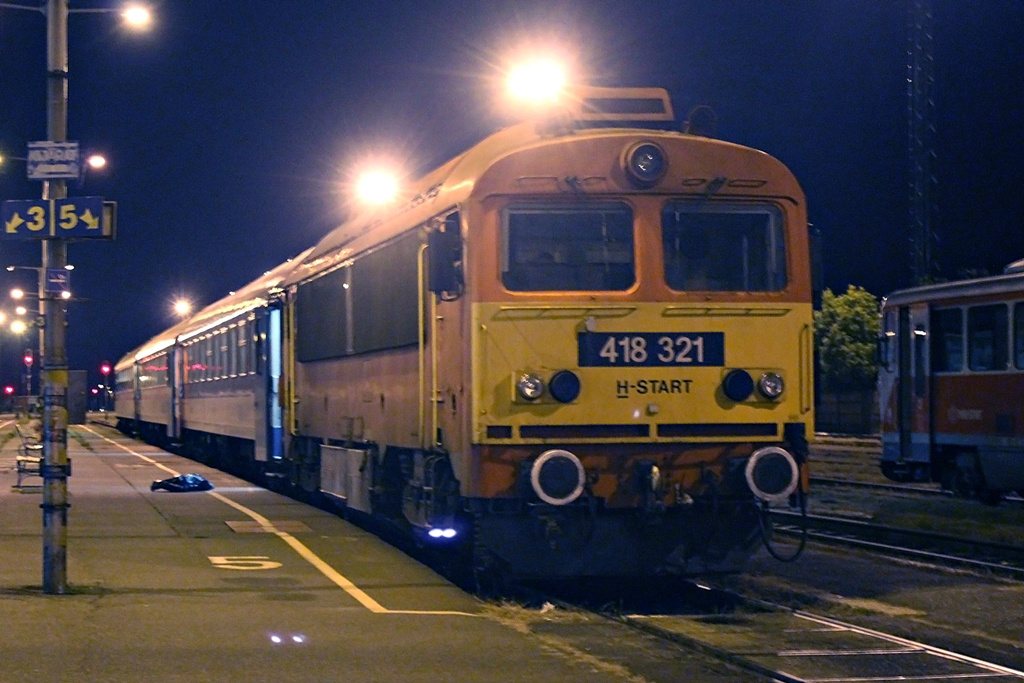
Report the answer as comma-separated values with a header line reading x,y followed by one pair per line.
x,y
1018,335
987,337
947,340
568,248
723,247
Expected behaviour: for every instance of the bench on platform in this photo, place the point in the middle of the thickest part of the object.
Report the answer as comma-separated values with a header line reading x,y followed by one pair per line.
x,y
30,458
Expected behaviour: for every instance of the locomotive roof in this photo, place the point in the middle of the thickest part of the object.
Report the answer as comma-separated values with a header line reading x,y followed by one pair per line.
x,y
455,181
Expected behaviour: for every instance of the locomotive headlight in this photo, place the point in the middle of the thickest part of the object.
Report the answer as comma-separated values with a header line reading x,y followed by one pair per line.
x,y
645,163
771,385
530,387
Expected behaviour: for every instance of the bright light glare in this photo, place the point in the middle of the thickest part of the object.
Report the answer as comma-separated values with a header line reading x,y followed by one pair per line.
x,y
20,310
18,327
65,294
377,187
442,533
182,307
540,81
97,161
136,15
17,293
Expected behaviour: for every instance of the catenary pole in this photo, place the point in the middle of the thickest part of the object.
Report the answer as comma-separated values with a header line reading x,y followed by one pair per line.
x,y
52,342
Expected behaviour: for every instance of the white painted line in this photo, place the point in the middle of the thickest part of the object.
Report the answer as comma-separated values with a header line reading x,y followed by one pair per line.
x,y
930,649
305,553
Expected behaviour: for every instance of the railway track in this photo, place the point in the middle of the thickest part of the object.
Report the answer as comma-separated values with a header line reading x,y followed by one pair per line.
x,y
776,642
929,547
925,490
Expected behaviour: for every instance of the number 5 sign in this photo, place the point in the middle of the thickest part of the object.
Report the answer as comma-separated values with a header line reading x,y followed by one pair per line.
x,y
243,562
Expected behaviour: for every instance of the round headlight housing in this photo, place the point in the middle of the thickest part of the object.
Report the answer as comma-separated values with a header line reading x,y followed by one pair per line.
x,y
557,477
738,385
771,385
564,386
645,163
530,387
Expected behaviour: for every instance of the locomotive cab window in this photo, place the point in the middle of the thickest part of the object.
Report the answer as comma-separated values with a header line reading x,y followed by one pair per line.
x,y
723,247
568,248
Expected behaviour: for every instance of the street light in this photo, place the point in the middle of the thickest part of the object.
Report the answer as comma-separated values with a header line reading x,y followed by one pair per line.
x,y
54,368
182,307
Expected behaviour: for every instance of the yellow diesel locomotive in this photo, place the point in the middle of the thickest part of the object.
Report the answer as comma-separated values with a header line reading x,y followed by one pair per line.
x,y
581,347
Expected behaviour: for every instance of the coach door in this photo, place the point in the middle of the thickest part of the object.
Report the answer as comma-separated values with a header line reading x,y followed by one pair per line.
x,y
176,370
914,406
268,402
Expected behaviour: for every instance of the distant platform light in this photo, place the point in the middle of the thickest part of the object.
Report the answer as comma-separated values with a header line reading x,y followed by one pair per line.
x,y
182,307
377,187
97,161
540,81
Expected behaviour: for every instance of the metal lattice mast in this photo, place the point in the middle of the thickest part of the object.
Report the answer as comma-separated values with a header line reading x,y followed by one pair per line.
x,y
921,137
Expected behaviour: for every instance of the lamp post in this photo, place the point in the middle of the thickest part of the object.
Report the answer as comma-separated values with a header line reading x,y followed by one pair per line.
x,y
105,369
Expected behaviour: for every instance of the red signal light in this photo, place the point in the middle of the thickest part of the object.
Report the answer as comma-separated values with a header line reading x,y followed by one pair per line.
x,y
28,359
105,368
8,390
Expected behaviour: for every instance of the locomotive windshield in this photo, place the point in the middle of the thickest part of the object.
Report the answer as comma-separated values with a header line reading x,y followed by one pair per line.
x,y
568,248
723,248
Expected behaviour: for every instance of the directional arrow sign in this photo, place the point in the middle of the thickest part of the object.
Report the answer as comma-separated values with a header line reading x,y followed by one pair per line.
x,y
69,218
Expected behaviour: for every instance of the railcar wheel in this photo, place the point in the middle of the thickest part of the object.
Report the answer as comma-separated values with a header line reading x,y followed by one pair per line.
x,y
988,496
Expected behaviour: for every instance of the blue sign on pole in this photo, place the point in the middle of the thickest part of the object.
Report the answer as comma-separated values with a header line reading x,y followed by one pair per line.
x,y
68,218
58,280
49,160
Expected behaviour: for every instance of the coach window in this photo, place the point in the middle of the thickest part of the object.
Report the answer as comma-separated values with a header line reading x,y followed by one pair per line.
x,y
948,340
987,337
243,348
232,351
208,362
568,248
723,247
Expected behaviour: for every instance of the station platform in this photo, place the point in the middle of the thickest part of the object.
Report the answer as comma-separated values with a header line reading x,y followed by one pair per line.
x,y
233,584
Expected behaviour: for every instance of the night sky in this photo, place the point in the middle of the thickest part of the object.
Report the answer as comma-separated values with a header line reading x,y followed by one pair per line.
x,y
234,129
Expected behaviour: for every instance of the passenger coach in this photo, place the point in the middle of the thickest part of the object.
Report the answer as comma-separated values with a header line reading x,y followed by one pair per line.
x,y
582,347
952,372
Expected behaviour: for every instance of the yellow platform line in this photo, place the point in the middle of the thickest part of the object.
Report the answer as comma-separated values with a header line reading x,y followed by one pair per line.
x,y
305,553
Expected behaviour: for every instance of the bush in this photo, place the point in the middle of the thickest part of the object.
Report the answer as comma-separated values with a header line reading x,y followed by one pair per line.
x,y
845,337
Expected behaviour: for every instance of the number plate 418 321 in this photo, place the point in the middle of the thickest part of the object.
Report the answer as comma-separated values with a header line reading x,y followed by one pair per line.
x,y
647,349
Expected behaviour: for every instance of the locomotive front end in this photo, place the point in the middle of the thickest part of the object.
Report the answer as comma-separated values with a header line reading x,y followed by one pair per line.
x,y
641,356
